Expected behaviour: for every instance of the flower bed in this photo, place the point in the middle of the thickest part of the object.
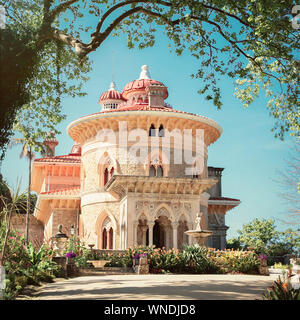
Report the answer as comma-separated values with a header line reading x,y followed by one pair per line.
x,y
191,260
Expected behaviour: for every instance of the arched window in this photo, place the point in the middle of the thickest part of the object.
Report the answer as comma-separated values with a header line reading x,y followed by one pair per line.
x,y
152,171
111,172
104,239
161,131
105,176
152,130
159,171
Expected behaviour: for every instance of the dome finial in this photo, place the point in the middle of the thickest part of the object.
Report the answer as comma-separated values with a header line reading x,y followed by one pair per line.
x,y
145,74
112,86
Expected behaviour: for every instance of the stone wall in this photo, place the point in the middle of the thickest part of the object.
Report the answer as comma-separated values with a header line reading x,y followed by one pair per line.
x,y
66,217
36,228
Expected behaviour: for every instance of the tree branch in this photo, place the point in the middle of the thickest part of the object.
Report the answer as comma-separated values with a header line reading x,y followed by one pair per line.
x,y
233,43
60,8
227,14
122,4
55,34
98,38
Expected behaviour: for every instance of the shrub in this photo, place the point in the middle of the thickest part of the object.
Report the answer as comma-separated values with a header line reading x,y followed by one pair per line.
x,y
197,259
24,265
77,248
234,261
279,265
282,290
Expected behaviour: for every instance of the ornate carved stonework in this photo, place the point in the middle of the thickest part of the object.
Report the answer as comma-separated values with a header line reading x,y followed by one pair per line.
x,y
163,212
187,207
107,224
176,207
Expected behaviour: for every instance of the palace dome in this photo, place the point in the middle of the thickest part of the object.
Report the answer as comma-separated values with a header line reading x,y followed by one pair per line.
x,y
142,83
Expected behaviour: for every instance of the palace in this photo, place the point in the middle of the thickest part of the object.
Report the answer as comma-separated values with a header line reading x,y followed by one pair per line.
x,y
137,174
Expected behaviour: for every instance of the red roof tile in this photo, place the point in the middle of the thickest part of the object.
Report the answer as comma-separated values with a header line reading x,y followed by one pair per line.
x,y
74,191
111,95
69,158
140,84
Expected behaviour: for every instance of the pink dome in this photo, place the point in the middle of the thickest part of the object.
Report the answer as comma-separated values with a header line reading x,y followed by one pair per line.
x,y
111,94
141,84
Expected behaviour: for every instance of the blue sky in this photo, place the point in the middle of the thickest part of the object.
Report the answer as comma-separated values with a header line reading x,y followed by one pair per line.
x,y
247,148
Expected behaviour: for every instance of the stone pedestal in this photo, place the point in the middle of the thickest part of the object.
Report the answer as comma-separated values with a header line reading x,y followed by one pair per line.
x,y
141,266
62,262
263,270
71,270
141,269
68,267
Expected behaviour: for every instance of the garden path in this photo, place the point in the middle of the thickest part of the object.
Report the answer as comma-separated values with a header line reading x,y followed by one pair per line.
x,y
157,287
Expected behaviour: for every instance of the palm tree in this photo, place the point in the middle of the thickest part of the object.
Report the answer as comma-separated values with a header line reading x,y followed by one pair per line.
x,y
12,203
28,145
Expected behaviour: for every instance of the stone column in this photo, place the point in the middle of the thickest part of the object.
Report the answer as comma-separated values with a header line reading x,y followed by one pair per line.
x,y
150,226
167,236
175,229
107,239
135,229
144,229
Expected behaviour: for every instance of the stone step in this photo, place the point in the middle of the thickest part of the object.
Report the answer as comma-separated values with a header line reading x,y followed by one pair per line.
x,y
104,271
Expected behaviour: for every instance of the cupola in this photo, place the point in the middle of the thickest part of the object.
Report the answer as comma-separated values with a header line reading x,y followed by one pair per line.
x,y
111,99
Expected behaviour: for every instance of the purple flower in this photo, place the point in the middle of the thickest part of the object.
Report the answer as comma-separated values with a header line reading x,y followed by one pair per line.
x,y
262,257
141,255
70,255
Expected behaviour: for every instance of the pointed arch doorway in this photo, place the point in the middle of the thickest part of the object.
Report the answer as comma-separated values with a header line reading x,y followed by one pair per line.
x,y
158,235
162,232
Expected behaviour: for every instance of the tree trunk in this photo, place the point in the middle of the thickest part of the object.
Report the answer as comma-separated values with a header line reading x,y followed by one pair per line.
x,y
28,198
